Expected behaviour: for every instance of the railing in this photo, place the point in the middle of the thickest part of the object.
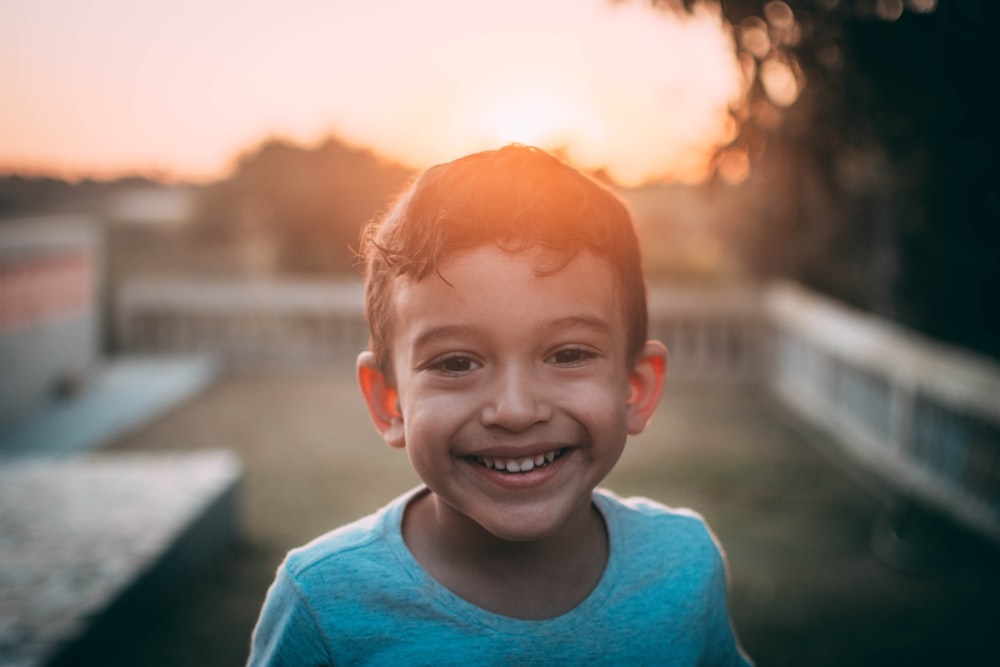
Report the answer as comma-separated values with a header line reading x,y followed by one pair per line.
x,y
924,417
244,325
711,333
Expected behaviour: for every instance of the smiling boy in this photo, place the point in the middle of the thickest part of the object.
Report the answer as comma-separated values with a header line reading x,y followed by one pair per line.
x,y
509,360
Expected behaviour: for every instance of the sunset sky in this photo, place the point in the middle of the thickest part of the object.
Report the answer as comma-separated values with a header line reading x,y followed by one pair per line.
x,y
178,87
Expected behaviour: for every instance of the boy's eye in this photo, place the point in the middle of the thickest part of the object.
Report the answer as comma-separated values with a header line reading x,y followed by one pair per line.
x,y
456,365
572,355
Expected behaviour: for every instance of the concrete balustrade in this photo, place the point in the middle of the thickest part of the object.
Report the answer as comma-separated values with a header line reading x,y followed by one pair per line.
x,y
245,325
711,333
923,417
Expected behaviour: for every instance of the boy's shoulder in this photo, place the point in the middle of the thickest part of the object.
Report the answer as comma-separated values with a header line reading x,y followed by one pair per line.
x,y
641,510
641,524
349,545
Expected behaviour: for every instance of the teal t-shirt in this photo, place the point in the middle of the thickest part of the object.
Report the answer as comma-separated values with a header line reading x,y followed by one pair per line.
x,y
356,596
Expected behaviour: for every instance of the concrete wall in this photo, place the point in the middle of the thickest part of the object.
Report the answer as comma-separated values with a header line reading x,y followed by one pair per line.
x,y
49,308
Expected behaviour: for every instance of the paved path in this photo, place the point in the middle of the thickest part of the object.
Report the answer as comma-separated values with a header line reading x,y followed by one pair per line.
x,y
122,395
796,523
85,535
806,587
77,535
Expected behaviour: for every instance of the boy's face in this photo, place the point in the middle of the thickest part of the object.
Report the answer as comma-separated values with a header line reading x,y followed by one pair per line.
x,y
512,392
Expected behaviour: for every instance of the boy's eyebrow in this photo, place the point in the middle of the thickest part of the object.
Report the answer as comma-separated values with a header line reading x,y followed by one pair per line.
x,y
441,332
598,324
445,331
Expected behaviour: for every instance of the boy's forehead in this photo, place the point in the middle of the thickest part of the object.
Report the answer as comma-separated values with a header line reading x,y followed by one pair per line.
x,y
484,276
541,260
538,260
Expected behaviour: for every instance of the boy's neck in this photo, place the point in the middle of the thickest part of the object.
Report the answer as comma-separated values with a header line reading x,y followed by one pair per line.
x,y
527,580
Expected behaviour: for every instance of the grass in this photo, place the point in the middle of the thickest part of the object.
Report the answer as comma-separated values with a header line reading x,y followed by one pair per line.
x,y
806,589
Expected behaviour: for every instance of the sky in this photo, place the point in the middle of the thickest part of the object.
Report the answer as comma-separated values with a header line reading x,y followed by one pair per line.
x,y
178,88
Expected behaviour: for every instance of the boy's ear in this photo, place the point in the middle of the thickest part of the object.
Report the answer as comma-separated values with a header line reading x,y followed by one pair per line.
x,y
381,399
646,385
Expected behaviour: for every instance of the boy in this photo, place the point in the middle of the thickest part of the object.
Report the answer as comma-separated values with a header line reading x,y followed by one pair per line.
x,y
507,311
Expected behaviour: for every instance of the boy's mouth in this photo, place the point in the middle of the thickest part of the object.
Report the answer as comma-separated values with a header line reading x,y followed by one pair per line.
x,y
522,464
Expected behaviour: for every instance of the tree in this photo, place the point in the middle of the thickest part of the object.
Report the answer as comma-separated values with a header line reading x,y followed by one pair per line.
x,y
307,204
878,184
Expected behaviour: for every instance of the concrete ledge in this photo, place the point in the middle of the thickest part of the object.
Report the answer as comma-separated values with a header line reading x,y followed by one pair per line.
x,y
125,394
81,537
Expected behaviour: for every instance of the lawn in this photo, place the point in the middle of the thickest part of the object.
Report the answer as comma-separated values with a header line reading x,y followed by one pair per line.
x,y
806,588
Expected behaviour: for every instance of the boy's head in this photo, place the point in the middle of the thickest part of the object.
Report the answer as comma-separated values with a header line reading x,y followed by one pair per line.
x,y
514,198
509,357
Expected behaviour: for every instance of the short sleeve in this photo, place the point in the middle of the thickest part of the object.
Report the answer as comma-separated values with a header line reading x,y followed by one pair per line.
x,y
287,632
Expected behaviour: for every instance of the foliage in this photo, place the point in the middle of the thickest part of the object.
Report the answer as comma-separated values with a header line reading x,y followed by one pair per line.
x,y
304,206
22,195
878,184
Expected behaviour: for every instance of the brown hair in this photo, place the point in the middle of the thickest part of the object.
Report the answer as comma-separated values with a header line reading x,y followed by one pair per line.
x,y
515,197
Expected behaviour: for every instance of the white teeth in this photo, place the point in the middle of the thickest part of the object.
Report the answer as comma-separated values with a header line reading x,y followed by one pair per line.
x,y
519,465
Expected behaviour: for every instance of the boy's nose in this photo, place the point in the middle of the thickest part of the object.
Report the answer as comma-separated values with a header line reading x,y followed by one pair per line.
x,y
516,402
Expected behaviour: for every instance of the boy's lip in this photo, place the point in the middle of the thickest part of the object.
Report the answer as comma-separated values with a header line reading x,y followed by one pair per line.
x,y
520,463
522,481
520,470
516,452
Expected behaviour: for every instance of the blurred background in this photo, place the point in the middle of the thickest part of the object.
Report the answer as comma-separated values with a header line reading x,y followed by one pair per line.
x,y
182,185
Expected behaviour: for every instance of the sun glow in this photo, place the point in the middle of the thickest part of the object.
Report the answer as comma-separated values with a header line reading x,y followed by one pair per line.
x,y
183,87
527,118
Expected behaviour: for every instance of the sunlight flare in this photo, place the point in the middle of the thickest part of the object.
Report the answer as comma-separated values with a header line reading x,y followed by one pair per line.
x,y
178,88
